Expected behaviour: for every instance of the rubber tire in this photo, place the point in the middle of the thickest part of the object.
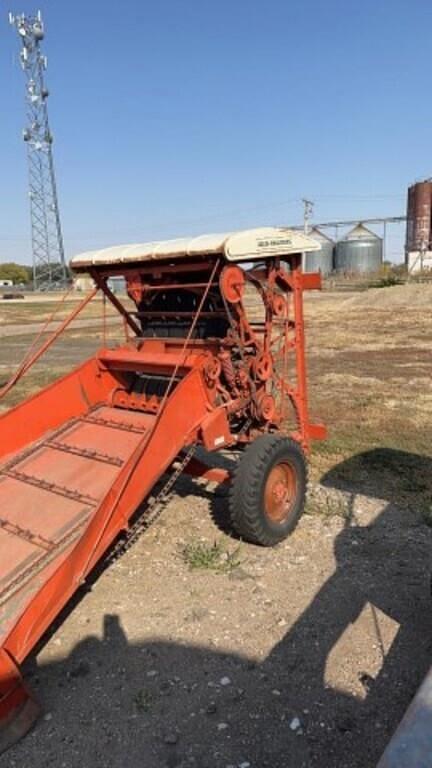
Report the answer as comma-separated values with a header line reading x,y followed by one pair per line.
x,y
246,498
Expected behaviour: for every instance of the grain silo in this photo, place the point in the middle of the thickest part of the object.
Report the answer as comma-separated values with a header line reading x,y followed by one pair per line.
x,y
418,244
320,261
359,251
418,236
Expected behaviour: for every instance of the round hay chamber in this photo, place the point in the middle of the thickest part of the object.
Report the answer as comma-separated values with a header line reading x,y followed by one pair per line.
x,y
360,251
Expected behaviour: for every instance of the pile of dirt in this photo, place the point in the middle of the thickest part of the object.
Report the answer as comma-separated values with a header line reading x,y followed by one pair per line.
x,y
408,296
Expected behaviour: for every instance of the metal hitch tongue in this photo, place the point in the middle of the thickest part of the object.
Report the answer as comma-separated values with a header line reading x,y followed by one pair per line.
x,y
18,709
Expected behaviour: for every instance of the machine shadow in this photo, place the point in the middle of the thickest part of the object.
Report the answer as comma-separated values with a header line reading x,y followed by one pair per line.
x,y
112,703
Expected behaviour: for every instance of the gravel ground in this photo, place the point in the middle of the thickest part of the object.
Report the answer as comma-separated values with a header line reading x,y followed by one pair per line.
x,y
304,655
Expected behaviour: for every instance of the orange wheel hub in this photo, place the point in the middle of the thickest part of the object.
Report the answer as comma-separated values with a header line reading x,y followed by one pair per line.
x,y
280,492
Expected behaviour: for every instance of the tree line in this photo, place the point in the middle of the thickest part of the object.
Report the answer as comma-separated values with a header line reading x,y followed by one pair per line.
x,y
18,273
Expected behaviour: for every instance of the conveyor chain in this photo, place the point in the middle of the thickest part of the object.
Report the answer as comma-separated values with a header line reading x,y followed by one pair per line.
x,y
128,427
27,535
45,485
86,453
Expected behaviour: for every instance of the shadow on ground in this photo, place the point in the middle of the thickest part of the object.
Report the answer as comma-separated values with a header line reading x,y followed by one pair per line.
x,y
111,703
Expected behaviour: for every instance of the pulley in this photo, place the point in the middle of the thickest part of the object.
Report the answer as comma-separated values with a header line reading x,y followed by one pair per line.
x,y
232,282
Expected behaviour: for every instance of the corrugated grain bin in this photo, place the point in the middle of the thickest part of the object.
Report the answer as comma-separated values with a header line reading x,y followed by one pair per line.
x,y
320,261
359,251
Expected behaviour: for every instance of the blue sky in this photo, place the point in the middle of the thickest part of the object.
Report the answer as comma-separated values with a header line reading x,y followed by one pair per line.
x,y
175,118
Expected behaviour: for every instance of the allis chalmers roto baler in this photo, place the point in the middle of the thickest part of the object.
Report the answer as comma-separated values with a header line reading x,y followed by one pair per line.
x,y
79,459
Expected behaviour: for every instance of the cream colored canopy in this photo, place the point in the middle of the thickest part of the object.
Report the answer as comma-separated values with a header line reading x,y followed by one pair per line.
x,y
248,245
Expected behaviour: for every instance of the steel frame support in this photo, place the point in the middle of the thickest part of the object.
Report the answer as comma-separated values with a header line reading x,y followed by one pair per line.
x,y
49,266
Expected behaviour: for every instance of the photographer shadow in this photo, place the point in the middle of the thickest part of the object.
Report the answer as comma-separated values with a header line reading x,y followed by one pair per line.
x,y
382,567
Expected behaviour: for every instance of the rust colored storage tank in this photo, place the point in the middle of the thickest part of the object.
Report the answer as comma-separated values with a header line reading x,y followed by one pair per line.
x,y
422,213
418,235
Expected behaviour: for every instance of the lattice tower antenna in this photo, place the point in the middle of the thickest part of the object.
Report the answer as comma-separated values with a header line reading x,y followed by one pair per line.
x,y
49,268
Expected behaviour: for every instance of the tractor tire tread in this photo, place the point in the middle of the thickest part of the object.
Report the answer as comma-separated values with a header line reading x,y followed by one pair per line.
x,y
247,486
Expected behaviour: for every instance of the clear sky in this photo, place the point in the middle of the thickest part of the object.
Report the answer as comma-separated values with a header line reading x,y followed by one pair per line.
x,y
180,117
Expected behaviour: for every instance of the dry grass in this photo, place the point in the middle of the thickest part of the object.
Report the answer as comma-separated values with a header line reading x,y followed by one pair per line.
x,y
78,343
370,381
37,309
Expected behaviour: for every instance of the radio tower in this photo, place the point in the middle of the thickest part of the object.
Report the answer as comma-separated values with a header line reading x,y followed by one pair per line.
x,y
49,266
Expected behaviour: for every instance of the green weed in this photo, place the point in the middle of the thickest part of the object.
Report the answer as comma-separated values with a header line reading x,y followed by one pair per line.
x,y
198,555
143,700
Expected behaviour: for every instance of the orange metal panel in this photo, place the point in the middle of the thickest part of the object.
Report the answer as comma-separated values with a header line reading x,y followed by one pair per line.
x,y
97,437
77,473
20,552
133,419
197,468
36,510
66,398
311,281
131,360
215,430
317,431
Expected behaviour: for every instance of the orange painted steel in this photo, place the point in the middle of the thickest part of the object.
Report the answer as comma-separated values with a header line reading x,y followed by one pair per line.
x,y
78,458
